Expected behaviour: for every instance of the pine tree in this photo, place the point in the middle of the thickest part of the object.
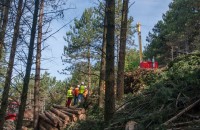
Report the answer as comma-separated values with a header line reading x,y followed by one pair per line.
x,y
28,68
110,82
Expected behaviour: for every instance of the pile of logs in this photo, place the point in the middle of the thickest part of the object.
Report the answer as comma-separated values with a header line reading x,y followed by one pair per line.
x,y
59,117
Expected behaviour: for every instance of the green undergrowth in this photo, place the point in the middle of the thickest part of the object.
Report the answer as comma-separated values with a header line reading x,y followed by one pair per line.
x,y
176,88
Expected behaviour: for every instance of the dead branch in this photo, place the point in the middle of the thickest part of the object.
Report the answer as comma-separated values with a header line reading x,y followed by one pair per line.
x,y
181,113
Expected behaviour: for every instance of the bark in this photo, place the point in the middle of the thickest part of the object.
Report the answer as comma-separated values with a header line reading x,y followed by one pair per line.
x,y
52,118
110,77
28,68
121,62
59,117
1,12
37,73
60,114
89,71
41,127
55,118
71,115
82,117
4,21
46,119
47,126
131,125
4,103
103,67
1,25
72,111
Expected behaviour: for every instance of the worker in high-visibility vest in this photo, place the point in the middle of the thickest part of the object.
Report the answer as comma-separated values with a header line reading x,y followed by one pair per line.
x,y
81,91
69,96
85,94
76,93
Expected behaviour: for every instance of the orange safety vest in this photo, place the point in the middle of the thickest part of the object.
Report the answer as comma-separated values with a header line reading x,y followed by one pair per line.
x,y
85,93
76,91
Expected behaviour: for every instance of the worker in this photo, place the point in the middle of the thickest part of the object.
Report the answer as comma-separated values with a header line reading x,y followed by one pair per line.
x,y
81,91
85,94
69,96
76,93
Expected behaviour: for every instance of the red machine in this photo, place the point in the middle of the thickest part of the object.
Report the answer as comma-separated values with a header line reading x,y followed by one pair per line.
x,y
12,111
149,65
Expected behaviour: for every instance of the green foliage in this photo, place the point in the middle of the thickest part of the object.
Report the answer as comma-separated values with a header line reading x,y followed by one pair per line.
x,y
82,50
177,88
179,28
131,60
84,39
52,91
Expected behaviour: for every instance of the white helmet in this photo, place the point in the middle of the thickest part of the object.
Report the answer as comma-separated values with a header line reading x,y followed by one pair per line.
x,y
82,83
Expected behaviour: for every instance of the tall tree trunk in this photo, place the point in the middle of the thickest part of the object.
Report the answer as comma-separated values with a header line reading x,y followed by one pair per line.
x,y
103,66
1,12
37,73
4,103
4,21
121,62
28,68
110,77
89,71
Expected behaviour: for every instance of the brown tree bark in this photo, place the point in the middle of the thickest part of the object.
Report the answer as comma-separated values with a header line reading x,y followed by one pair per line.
x,y
1,12
60,114
46,119
54,118
89,71
103,66
110,77
28,68
4,103
4,21
122,51
37,73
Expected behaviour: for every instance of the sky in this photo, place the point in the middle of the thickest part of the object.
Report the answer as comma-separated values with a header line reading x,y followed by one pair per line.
x,y
147,12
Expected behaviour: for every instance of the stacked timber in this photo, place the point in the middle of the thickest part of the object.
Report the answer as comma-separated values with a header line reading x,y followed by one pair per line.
x,y
58,117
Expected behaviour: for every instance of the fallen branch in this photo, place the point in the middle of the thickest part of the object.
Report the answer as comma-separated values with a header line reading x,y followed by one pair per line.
x,y
181,113
186,123
193,116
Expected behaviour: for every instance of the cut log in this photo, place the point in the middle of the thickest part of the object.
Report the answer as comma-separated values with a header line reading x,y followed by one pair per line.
x,y
73,107
41,127
51,117
59,107
82,117
24,128
72,116
131,125
59,121
46,119
47,126
82,110
77,112
60,114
